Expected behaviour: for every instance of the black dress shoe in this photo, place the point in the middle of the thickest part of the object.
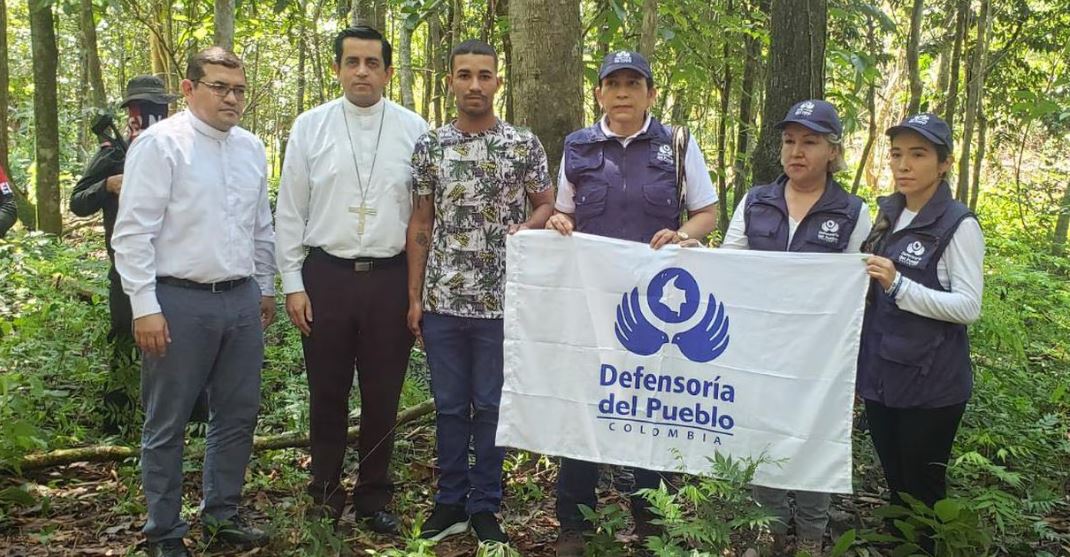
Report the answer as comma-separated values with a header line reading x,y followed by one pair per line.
x,y
174,547
234,531
380,522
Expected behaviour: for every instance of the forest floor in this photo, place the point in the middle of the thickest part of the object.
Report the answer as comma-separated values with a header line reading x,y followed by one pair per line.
x,y
97,508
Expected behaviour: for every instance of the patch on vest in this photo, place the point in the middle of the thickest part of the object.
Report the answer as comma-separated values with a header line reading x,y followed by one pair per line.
x,y
5,188
829,232
911,255
665,153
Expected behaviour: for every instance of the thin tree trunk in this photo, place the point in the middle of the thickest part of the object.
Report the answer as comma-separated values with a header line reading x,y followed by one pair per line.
x,y
1062,224
369,12
722,135
913,70
648,34
502,11
871,105
975,188
943,77
112,453
601,49
952,102
973,101
489,17
92,59
224,23
796,72
5,101
45,116
404,51
871,137
752,49
437,67
428,75
548,70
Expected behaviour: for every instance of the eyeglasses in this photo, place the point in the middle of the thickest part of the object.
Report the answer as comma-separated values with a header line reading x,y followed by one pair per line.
x,y
221,90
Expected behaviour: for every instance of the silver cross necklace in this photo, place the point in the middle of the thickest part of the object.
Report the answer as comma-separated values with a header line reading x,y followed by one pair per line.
x,y
362,211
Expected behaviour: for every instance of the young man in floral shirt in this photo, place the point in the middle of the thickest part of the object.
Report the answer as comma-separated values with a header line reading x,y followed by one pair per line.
x,y
471,179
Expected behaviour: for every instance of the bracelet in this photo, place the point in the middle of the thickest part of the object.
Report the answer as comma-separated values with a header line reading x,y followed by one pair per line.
x,y
896,285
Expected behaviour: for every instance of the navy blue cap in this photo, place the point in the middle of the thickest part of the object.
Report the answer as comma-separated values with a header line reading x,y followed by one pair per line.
x,y
624,60
929,125
817,115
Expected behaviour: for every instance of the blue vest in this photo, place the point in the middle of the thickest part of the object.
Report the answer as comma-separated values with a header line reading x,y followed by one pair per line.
x,y
625,193
826,228
906,360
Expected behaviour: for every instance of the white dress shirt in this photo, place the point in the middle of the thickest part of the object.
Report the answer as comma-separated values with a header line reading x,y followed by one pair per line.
x,y
319,189
700,191
736,235
960,270
194,205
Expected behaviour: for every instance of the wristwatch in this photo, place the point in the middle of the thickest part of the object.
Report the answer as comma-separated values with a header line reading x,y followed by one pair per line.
x,y
682,235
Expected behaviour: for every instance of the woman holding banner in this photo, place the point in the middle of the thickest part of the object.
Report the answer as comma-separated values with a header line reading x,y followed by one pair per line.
x,y
914,369
804,210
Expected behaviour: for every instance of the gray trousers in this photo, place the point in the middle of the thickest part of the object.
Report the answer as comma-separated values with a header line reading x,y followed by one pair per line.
x,y
217,345
811,511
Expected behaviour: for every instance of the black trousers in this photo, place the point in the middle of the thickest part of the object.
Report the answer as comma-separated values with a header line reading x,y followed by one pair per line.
x,y
914,445
359,326
577,481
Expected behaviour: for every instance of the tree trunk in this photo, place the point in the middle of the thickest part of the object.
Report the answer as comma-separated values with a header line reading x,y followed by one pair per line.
x,y
5,100
943,77
224,23
753,49
973,101
405,76
796,72
648,34
548,72
112,453
722,135
92,58
913,71
871,138
502,11
369,12
45,116
438,71
975,188
601,49
952,102
1062,225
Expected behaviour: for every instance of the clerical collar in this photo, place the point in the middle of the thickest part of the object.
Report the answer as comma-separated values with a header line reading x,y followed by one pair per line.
x,y
372,110
206,129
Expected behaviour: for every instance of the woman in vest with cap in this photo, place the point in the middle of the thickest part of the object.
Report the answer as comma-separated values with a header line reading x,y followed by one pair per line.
x,y
804,210
914,371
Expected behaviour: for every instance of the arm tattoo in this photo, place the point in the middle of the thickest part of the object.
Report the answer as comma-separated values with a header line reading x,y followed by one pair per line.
x,y
422,240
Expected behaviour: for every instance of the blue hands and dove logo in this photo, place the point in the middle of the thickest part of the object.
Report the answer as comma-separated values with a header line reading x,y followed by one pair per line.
x,y
673,296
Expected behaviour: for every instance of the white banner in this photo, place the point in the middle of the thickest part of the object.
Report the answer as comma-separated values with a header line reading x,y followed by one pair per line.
x,y
620,354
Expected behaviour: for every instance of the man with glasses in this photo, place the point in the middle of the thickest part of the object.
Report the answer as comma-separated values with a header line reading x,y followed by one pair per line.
x,y
194,247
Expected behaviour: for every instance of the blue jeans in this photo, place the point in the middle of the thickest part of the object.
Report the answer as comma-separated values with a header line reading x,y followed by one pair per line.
x,y
465,357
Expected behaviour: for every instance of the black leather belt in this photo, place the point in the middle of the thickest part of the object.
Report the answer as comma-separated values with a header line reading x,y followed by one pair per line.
x,y
360,264
222,286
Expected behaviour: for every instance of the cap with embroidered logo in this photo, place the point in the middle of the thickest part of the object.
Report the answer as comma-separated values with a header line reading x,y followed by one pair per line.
x,y
926,124
815,114
624,60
